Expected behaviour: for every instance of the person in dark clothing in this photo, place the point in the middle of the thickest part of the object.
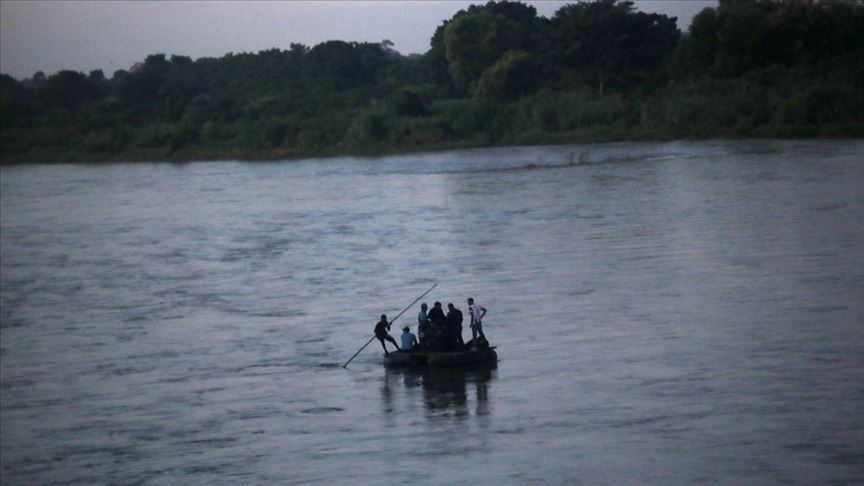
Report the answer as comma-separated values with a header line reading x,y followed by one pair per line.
x,y
381,333
454,328
436,315
479,343
435,334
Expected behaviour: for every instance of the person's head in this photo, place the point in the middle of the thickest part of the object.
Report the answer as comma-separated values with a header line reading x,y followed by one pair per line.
x,y
383,317
438,305
423,306
470,301
406,329
450,306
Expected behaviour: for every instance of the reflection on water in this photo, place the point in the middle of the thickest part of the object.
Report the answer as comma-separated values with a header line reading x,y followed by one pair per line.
x,y
454,393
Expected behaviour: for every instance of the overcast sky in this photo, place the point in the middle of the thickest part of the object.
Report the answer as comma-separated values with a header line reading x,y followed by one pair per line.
x,y
48,36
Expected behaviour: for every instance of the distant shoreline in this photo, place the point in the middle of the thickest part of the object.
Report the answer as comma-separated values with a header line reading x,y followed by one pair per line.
x,y
217,155
594,72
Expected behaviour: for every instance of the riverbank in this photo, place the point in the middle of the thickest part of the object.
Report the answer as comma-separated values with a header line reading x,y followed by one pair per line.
x,y
53,155
731,109
347,98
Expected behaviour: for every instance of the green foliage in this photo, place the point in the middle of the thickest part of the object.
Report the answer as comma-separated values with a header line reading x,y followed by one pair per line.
x,y
608,43
738,37
106,141
421,132
169,136
477,38
470,117
409,103
494,74
68,89
17,103
368,129
348,64
144,83
822,104
511,77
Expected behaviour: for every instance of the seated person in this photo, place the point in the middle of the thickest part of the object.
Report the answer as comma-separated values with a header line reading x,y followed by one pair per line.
x,y
409,340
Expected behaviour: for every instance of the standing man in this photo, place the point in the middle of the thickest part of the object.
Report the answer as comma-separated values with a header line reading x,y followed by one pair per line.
x,y
422,323
436,335
454,328
477,312
436,315
381,333
422,316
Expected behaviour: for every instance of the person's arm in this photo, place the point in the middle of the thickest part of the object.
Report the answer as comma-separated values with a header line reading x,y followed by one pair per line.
x,y
482,313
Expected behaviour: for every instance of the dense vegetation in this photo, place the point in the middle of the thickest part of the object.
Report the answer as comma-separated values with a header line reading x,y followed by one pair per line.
x,y
495,74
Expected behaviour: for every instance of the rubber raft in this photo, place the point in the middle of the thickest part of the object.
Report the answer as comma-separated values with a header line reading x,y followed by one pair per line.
x,y
461,359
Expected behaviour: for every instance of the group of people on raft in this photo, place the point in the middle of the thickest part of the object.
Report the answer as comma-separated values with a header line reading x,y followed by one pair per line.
x,y
438,332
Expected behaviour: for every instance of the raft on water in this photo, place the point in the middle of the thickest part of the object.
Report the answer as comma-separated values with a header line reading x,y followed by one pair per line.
x,y
455,359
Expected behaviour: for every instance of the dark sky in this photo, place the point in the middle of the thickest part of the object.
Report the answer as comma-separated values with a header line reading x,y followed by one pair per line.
x,y
85,35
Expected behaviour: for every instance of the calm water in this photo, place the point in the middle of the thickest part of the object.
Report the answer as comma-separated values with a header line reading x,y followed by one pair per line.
x,y
665,313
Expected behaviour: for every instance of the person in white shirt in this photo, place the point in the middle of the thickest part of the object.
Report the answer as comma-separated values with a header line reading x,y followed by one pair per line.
x,y
409,340
476,311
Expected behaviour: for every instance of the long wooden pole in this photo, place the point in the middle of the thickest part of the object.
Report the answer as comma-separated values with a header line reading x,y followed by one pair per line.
x,y
391,322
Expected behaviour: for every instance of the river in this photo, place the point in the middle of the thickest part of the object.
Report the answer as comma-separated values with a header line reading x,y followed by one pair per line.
x,y
666,313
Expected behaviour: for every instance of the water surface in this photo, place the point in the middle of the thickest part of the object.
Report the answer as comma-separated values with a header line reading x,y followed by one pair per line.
x,y
668,313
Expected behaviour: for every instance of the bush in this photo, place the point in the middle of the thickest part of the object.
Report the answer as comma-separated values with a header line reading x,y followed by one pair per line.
x,y
468,118
408,103
368,129
421,132
106,142
166,135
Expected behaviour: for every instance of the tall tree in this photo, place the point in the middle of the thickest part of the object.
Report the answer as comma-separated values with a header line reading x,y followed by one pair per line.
x,y
607,42
347,64
475,39
17,103
512,76
68,89
740,36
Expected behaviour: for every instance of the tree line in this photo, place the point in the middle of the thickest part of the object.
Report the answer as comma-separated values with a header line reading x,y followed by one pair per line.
x,y
495,74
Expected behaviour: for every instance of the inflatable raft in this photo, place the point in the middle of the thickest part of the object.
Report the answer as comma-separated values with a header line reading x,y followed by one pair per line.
x,y
459,359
